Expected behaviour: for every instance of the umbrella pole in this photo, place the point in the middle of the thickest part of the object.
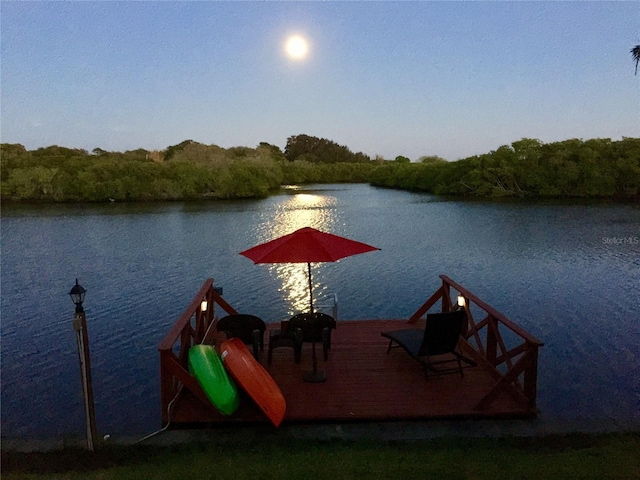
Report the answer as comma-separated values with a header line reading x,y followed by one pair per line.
x,y
310,287
314,376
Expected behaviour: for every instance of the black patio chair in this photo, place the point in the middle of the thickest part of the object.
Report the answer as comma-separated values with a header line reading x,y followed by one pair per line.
x,y
439,337
285,337
315,327
248,328
301,328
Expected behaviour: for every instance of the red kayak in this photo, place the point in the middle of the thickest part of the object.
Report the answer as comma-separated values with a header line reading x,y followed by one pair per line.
x,y
253,379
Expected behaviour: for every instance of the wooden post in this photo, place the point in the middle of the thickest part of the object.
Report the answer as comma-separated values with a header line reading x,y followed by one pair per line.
x,y
492,340
166,386
446,297
531,377
82,339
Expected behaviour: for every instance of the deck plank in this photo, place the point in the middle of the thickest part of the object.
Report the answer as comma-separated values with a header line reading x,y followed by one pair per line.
x,y
363,383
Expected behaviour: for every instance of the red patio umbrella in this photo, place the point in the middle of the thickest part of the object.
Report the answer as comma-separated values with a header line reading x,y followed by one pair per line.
x,y
306,245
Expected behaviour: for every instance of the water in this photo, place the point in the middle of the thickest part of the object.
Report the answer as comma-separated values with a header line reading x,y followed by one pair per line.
x,y
568,273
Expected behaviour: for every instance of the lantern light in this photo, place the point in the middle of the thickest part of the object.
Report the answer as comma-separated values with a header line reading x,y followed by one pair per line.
x,y
77,294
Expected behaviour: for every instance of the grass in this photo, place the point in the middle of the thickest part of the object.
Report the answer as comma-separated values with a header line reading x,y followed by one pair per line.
x,y
563,457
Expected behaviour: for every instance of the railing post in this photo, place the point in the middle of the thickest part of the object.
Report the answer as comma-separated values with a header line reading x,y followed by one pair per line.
x,y
492,342
531,377
446,296
198,331
185,343
166,387
465,324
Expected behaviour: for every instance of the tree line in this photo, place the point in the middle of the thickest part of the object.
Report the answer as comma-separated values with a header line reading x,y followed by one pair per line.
x,y
187,171
527,168
193,171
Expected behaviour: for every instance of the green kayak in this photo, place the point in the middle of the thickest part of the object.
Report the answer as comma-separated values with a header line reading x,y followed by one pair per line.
x,y
206,366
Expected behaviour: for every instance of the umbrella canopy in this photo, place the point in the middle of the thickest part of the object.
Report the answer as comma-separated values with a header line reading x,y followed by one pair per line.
x,y
306,245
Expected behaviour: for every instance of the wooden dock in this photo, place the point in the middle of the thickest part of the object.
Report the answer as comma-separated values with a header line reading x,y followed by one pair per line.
x,y
363,381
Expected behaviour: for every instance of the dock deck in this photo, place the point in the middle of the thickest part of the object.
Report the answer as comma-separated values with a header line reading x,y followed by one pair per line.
x,y
363,383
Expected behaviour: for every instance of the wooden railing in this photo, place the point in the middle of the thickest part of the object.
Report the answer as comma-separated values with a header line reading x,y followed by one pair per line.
x,y
502,348
192,328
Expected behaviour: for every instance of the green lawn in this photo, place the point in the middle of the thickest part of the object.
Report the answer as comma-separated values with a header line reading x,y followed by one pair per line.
x,y
615,456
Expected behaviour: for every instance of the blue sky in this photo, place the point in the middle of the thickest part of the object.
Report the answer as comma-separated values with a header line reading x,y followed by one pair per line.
x,y
452,79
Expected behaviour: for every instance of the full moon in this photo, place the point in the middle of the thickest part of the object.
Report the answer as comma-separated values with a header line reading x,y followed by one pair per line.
x,y
296,47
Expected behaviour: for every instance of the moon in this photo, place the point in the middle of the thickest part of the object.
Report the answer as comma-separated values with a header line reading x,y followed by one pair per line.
x,y
296,47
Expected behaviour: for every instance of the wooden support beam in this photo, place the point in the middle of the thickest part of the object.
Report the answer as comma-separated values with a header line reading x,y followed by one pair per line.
x,y
426,306
492,340
175,369
446,297
512,353
474,355
531,378
474,331
505,382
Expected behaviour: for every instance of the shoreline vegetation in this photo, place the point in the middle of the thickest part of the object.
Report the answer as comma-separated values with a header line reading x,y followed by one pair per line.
x,y
556,456
526,169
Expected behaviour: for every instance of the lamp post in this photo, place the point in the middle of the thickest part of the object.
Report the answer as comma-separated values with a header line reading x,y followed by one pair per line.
x,y
77,294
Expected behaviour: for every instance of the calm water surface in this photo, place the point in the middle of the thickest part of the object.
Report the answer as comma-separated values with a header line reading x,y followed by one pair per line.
x,y
567,273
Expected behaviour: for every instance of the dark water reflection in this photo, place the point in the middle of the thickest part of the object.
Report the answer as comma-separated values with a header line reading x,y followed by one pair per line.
x,y
563,271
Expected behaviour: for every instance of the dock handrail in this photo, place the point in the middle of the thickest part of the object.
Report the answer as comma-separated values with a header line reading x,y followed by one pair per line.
x,y
330,302
192,328
514,367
